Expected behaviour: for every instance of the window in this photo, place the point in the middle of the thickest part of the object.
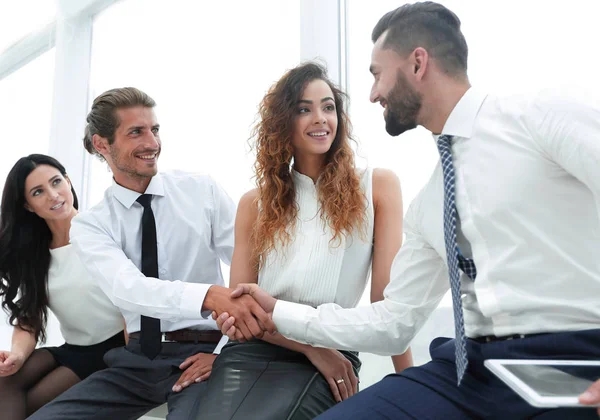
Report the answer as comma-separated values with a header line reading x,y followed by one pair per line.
x,y
25,111
207,65
18,18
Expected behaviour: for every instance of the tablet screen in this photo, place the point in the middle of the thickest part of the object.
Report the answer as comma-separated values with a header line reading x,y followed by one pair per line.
x,y
556,380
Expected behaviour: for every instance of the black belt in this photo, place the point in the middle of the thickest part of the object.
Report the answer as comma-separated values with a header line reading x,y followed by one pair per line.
x,y
187,336
491,338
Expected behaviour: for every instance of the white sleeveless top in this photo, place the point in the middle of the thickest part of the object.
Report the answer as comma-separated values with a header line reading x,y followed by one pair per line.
x,y
85,313
310,270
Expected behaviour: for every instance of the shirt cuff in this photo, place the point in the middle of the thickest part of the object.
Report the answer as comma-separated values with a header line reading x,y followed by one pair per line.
x,y
192,299
224,340
291,319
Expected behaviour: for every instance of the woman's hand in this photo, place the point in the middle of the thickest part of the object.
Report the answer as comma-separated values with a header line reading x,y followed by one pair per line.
x,y
336,369
10,363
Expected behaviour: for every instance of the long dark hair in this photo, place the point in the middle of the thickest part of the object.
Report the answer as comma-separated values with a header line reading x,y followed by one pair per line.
x,y
25,250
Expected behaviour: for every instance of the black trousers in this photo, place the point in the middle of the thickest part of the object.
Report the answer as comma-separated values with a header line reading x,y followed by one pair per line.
x,y
130,387
430,391
262,381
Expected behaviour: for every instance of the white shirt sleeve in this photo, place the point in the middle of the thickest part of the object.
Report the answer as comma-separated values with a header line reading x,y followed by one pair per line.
x,y
567,128
419,280
124,284
223,221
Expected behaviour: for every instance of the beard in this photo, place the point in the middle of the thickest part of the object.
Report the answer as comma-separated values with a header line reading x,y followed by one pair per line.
x,y
127,165
403,106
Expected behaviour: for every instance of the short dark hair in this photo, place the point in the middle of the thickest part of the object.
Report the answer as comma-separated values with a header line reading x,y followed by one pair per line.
x,y
103,119
428,25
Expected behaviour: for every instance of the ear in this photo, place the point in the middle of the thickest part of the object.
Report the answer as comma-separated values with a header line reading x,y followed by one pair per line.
x,y
100,144
420,61
28,208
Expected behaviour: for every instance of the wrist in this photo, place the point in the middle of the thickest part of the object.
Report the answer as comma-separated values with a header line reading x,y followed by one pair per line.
x,y
210,300
309,351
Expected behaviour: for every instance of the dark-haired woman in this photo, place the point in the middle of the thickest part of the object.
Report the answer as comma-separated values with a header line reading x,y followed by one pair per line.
x,y
311,232
39,271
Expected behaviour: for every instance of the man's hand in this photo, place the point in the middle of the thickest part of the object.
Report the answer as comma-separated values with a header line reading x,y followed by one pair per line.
x,y
263,298
592,395
251,320
10,363
227,322
197,368
336,369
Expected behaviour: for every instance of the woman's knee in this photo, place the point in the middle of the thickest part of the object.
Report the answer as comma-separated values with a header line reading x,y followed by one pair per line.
x,y
10,385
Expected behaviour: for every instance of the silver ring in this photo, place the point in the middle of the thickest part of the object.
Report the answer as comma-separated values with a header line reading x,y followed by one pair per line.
x,y
340,381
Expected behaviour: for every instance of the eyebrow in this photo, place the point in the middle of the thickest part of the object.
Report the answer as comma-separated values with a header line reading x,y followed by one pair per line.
x,y
139,127
40,186
306,101
135,127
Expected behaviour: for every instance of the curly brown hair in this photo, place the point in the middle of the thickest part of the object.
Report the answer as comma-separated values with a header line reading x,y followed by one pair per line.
x,y
343,204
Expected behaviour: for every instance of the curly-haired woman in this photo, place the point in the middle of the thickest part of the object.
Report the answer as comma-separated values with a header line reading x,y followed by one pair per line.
x,y
311,233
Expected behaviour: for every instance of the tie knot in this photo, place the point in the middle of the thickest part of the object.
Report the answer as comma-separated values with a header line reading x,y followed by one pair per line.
x,y
444,140
145,200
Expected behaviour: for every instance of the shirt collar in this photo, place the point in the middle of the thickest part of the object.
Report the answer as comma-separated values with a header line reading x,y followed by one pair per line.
x,y
461,121
127,197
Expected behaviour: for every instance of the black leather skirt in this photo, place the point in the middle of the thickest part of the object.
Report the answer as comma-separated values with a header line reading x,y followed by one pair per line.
x,y
259,380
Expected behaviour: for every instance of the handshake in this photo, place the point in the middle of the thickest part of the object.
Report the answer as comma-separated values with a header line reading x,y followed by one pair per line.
x,y
242,314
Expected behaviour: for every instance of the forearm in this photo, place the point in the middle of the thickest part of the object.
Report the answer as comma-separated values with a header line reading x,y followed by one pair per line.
x,y
23,342
124,284
402,361
280,340
372,329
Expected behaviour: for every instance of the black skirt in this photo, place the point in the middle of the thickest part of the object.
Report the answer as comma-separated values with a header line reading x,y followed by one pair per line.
x,y
85,360
259,380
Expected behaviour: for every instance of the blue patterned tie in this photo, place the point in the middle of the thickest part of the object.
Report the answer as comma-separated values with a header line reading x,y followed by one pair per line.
x,y
456,260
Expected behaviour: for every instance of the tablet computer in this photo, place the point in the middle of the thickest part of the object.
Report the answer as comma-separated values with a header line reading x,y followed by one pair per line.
x,y
547,383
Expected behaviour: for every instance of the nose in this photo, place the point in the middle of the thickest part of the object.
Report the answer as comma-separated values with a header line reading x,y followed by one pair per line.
x,y
53,195
151,140
320,118
374,96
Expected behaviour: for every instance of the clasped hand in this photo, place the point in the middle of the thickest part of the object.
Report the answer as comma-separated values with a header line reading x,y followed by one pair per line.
x,y
254,321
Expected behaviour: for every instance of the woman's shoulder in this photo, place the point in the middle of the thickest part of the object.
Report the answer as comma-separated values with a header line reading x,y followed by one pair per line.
x,y
247,210
379,176
384,175
385,182
249,200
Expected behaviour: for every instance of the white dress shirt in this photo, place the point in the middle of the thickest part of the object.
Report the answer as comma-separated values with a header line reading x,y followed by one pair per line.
x,y
528,197
194,230
330,272
85,313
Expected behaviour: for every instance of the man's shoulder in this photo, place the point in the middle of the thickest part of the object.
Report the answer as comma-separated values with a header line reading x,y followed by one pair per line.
x,y
183,178
97,213
564,97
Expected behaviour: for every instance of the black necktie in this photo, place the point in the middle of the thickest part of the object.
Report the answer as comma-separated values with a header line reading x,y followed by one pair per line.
x,y
149,327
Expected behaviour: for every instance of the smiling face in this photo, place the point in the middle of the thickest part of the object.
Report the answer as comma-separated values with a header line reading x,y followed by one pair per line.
x,y
316,120
392,89
48,193
133,155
